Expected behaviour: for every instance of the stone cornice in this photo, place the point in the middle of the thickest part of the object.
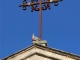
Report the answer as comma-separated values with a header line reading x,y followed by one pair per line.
x,y
46,49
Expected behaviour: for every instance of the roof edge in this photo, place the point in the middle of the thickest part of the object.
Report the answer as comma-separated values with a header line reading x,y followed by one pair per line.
x,y
48,49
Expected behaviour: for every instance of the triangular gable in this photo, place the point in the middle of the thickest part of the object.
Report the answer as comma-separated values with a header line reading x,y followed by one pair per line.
x,y
37,50
38,56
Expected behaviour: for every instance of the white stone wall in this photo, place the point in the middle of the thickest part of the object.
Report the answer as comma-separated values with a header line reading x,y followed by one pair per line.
x,y
36,57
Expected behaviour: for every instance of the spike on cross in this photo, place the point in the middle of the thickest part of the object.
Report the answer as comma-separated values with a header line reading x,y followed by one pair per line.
x,y
37,5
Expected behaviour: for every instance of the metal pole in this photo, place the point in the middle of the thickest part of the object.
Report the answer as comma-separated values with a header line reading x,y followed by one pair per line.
x,y
40,22
32,4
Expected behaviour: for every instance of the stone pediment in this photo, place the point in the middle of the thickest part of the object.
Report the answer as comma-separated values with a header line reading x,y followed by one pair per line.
x,y
38,56
39,52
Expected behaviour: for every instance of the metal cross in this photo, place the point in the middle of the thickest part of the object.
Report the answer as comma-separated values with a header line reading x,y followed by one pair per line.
x,y
44,5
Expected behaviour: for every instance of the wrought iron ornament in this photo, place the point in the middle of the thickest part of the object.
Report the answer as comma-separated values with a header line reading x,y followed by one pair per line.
x,y
37,5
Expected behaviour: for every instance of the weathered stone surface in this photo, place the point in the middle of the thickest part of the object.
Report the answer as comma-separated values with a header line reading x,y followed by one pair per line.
x,y
39,52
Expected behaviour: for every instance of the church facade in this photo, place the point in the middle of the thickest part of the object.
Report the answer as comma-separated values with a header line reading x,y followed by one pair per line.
x,y
40,51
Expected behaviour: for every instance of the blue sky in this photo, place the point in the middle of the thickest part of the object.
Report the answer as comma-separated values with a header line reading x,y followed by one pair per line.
x,y
61,26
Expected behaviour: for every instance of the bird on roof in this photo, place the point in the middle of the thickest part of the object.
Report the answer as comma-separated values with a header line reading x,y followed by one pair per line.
x,y
34,38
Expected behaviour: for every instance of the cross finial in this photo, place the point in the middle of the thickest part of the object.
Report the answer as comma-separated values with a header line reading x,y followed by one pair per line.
x,y
44,5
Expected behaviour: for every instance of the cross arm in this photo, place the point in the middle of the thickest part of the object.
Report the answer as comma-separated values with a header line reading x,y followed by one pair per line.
x,y
37,3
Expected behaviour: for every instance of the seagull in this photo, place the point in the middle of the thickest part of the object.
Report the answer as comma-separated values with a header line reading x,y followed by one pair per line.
x,y
34,38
